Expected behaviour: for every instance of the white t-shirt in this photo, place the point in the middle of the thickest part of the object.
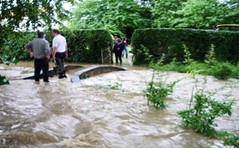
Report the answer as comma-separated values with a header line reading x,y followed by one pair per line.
x,y
59,42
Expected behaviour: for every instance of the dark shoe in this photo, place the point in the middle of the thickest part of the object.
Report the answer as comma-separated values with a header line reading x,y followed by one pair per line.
x,y
61,76
46,81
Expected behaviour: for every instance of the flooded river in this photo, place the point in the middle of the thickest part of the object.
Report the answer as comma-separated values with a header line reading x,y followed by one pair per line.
x,y
106,111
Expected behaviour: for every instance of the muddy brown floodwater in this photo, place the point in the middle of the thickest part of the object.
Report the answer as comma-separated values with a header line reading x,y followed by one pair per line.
x,y
105,111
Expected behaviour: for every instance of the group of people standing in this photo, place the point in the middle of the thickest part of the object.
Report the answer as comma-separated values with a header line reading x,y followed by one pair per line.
x,y
120,46
40,50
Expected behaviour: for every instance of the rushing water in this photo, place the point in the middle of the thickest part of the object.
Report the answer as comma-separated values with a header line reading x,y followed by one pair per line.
x,y
106,111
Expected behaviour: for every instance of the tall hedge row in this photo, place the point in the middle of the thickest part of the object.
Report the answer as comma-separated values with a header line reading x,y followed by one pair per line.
x,y
150,44
89,46
13,46
86,46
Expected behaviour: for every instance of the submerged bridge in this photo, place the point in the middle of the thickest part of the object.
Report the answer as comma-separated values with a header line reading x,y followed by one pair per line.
x,y
84,72
87,71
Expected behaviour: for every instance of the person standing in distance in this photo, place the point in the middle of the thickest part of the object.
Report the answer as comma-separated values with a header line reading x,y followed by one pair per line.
x,y
39,49
60,51
118,48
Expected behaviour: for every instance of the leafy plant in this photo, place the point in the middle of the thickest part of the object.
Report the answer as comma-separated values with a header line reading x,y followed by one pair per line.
x,y
210,57
115,86
3,80
187,55
157,93
161,60
228,138
201,117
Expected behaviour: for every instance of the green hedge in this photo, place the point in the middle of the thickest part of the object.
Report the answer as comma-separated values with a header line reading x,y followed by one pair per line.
x,y
86,46
89,46
13,46
149,44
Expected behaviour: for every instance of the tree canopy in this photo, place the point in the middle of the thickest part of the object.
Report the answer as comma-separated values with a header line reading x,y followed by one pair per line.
x,y
116,16
16,14
164,12
121,16
194,13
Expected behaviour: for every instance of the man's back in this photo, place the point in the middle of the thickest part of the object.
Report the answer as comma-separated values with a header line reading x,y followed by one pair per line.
x,y
40,48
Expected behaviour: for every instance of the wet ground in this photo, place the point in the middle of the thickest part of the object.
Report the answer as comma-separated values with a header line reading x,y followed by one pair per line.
x,y
105,111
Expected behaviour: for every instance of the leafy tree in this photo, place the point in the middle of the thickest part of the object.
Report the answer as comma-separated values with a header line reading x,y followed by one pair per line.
x,y
145,2
164,12
232,16
117,16
194,13
23,13
205,13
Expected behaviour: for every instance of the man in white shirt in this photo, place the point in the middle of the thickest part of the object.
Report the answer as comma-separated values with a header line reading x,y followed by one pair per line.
x,y
60,51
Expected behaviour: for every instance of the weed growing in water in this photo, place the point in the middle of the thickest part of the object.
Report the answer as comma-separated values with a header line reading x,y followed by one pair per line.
x,y
3,80
157,93
116,86
228,138
201,117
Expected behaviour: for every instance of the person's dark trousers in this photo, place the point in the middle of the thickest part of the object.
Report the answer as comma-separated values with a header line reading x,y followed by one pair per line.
x,y
41,64
60,63
118,56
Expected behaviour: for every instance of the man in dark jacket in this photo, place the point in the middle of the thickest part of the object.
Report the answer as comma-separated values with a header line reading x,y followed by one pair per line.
x,y
118,48
39,49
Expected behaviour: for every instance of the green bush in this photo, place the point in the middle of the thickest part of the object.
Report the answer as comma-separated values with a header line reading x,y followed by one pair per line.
x,y
14,46
89,46
157,93
201,117
3,80
172,43
222,71
228,138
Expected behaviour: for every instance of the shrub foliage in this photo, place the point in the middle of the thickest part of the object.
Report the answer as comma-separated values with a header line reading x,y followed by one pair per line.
x,y
172,43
